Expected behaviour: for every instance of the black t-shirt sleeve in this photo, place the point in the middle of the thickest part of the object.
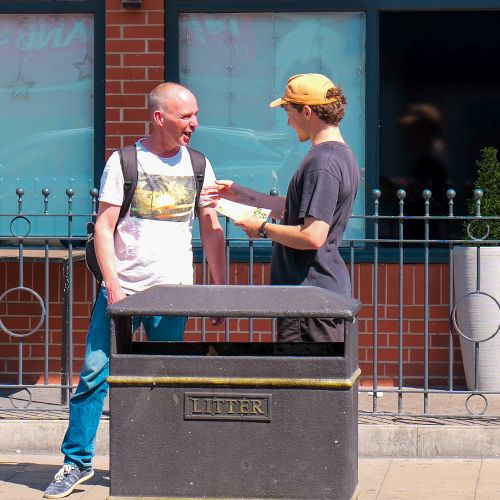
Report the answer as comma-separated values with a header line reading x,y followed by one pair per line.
x,y
320,193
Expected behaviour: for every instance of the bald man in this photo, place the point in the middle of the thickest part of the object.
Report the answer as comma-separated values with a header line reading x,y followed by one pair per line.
x,y
150,245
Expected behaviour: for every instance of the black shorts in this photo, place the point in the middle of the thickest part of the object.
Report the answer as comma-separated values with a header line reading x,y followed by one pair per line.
x,y
310,330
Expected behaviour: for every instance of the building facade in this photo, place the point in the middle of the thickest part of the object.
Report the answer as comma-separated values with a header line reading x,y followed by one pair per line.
x,y
420,79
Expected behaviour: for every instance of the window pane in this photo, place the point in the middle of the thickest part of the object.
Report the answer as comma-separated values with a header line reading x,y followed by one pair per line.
x,y
236,64
46,115
439,105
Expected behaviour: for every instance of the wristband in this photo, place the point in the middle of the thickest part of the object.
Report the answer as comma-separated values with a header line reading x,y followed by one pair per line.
x,y
262,231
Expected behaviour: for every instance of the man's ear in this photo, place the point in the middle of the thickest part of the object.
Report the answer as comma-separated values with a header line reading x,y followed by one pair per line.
x,y
158,117
307,111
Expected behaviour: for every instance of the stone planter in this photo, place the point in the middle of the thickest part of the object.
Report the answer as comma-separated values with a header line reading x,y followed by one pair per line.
x,y
478,313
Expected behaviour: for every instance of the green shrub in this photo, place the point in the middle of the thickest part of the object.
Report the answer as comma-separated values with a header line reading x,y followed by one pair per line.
x,y
488,180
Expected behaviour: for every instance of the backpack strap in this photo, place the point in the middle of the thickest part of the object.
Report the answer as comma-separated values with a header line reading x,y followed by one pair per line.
x,y
199,162
128,160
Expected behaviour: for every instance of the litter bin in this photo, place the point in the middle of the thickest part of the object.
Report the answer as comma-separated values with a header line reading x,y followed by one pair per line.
x,y
234,420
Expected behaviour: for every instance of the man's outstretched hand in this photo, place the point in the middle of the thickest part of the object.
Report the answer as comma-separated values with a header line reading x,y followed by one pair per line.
x,y
209,195
212,193
229,190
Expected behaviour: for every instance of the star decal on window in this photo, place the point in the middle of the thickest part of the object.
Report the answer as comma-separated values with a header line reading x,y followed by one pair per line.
x,y
21,87
85,68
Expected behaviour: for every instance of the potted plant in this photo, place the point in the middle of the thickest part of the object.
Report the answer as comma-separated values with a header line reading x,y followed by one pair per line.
x,y
477,301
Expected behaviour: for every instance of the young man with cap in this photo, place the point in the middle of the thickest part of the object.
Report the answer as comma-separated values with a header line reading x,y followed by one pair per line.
x,y
315,212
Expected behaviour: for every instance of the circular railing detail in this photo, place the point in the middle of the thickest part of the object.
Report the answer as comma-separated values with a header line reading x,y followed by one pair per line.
x,y
42,315
12,229
468,228
471,410
26,401
453,315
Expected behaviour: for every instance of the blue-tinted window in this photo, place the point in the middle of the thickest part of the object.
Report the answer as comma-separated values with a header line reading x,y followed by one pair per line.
x,y
46,115
236,64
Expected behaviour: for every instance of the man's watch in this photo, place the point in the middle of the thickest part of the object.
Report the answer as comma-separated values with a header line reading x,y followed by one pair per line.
x,y
262,231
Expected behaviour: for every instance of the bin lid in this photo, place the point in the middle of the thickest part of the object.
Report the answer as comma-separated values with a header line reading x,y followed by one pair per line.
x,y
238,301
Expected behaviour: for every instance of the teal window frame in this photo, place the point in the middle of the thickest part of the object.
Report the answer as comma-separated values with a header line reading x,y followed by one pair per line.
x,y
372,9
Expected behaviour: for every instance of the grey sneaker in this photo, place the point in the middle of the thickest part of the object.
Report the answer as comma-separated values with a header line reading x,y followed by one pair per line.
x,y
66,479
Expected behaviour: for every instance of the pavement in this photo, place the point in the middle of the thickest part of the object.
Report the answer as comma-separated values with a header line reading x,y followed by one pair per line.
x,y
24,477
434,449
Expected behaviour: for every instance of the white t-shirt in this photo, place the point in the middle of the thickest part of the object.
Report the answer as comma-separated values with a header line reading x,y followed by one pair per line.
x,y
153,241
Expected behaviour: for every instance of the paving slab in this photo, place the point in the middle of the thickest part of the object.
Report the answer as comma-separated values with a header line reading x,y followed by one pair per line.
x,y
431,479
371,477
489,480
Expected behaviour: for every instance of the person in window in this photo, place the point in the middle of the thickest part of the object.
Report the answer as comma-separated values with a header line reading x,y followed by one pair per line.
x,y
423,130
317,207
425,165
151,245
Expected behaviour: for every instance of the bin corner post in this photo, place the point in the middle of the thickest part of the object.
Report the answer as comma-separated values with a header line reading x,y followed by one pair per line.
x,y
351,344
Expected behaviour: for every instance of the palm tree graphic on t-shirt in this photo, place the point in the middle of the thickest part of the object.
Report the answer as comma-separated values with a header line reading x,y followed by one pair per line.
x,y
163,197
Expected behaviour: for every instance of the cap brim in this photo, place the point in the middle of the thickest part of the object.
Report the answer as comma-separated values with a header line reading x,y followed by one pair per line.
x,y
277,102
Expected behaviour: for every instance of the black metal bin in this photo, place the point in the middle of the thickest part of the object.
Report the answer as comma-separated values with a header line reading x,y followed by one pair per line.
x,y
234,420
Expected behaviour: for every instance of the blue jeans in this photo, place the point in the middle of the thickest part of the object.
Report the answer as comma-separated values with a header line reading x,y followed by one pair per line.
x,y
85,408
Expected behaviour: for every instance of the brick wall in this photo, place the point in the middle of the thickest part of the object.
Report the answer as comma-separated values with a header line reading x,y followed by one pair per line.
x,y
21,313
388,310
134,66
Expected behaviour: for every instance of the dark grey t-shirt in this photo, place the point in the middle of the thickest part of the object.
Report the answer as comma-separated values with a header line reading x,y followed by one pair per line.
x,y
324,187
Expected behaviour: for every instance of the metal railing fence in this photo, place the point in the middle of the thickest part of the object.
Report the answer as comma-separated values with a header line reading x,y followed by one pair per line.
x,y
399,240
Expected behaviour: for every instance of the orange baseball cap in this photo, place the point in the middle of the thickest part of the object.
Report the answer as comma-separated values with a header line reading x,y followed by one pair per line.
x,y
306,88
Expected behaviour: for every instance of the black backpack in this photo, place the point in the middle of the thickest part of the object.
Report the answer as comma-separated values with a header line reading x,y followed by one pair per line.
x,y
128,161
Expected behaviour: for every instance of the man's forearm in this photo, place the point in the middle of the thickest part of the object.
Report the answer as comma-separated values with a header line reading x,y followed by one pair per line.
x,y
291,236
212,239
214,247
105,249
105,253
255,198
308,236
